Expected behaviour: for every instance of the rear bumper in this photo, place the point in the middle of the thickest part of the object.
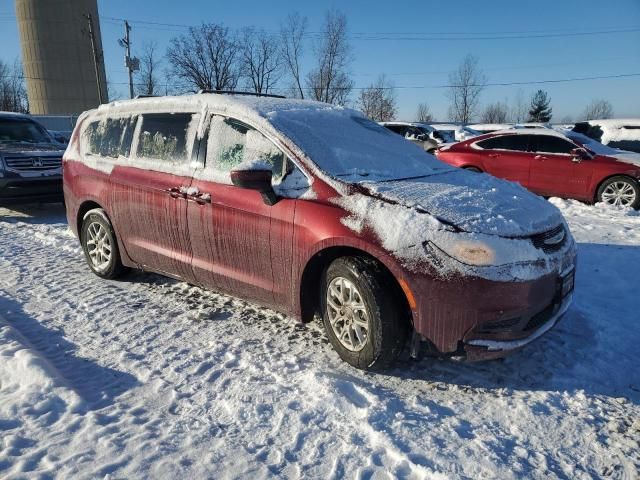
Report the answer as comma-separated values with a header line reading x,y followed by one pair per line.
x,y
15,190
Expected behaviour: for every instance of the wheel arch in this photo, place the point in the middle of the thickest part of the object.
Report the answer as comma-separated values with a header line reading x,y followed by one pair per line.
x,y
82,211
311,277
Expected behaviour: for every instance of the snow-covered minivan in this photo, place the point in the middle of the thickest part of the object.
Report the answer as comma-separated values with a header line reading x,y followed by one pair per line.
x,y
312,208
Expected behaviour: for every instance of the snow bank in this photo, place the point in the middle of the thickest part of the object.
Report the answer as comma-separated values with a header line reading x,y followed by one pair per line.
x,y
29,386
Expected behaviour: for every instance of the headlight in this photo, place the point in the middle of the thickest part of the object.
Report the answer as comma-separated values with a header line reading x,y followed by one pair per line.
x,y
472,253
482,250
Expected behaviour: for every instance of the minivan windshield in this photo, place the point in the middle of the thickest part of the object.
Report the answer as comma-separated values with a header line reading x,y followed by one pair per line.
x,y
344,144
21,130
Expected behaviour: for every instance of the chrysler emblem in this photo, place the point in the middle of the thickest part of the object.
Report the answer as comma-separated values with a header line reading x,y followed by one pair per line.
x,y
37,162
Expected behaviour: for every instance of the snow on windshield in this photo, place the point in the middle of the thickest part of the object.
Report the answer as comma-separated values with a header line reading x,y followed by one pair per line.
x,y
345,144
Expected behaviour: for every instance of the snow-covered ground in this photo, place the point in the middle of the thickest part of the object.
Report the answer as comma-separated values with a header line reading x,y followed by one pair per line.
x,y
152,378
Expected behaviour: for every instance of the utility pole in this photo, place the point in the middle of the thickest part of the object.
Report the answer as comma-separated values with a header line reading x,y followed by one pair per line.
x,y
132,64
96,56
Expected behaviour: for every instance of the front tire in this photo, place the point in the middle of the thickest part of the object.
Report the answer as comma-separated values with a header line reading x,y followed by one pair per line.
x,y
100,246
472,169
619,191
365,322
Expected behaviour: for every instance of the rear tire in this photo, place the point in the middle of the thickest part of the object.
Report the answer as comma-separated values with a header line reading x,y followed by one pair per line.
x,y
363,318
620,191
100,245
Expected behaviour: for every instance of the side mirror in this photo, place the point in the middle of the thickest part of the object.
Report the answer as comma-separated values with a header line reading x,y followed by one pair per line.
x,y
580,154
259,180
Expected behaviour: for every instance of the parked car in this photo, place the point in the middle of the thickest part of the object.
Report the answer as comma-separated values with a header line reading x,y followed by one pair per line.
x,y
623,133
58,126
306,207
30,161
532,125
490,127
458,133
549,164
421,134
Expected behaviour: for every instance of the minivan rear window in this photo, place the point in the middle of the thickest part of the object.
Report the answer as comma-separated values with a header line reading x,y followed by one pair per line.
x,y
163,136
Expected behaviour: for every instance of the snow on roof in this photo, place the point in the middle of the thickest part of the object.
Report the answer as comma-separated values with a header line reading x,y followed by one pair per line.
x,y
490,126
616,122
530,131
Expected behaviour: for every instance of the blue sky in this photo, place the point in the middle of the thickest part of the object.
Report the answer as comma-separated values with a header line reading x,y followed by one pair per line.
x,y
415,66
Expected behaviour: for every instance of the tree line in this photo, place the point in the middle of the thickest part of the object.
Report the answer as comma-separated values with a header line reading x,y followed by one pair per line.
x,y
212,56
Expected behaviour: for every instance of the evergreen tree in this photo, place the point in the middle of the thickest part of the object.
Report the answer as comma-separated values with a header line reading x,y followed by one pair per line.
x,y
540,110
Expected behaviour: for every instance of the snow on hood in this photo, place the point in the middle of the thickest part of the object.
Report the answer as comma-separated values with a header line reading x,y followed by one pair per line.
x,y
475,203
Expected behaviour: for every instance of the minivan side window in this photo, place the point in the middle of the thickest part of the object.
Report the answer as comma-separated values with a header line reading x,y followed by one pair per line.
x,y
110,137
164,136
232,142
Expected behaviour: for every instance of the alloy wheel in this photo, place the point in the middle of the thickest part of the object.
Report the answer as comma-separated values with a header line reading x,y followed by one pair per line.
x,y
619,193
348,314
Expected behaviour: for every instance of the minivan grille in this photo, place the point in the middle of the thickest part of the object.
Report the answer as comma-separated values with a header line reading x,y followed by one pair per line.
x,y
31,164
551,240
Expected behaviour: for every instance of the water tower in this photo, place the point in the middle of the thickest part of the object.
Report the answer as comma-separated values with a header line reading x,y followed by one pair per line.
x,y
62,73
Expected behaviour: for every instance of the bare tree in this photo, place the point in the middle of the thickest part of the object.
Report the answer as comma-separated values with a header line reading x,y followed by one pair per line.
x,y
148,83
329,81
292,33
597,110
495,113
466,84
207,57
424,114
520,108
261,60
13,95
378,100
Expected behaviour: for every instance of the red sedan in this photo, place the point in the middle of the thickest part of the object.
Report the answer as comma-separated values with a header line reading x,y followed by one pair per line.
x,y
549,164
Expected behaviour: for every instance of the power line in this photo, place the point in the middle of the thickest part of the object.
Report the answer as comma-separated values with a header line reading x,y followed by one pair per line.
x,y
424,36
407,87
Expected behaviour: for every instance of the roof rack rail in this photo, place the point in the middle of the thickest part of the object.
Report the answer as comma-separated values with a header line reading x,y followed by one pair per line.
x,y
233,92
145,96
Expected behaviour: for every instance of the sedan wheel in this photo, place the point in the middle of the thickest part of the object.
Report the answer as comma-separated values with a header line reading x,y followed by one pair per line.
x,y
620,192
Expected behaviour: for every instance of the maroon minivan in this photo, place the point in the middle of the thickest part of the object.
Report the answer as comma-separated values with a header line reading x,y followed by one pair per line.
x,y
311,208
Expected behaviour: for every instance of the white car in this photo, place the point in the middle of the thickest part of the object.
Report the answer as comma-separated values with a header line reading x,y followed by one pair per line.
x,y
623,133
458,133
490,127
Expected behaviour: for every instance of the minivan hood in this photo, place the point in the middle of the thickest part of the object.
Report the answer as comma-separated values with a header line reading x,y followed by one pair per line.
x,y
19,147
475,203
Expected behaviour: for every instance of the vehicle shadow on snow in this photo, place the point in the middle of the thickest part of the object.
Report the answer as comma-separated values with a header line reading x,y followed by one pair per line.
x,y
97,385
592,349
34,213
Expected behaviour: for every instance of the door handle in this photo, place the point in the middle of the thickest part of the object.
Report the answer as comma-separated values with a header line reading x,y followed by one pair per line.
x,y
540,157
494,155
